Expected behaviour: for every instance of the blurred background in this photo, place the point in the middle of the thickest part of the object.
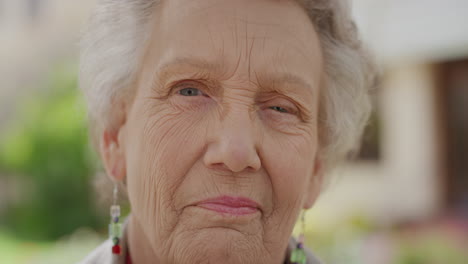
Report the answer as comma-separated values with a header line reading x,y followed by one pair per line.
x,y
402,200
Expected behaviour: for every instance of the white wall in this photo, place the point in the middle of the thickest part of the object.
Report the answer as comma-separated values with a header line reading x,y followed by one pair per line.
x,y
414,29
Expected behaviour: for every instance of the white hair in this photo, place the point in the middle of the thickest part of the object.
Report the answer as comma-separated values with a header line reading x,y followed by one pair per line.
x,y
111,56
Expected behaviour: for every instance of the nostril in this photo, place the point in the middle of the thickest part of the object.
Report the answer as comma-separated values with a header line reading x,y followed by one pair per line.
x,y
251,169
220,167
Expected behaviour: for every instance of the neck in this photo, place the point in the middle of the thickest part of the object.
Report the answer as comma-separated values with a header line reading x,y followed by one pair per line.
x,y
140,248
139,245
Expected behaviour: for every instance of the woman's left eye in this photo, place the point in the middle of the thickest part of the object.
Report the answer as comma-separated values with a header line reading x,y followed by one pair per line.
x,y
279,109
190,92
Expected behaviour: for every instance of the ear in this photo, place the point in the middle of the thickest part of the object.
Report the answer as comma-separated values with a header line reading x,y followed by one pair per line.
x,y
315,183
113,154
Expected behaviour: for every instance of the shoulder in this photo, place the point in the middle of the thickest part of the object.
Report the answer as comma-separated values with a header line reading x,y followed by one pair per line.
x,y
100,255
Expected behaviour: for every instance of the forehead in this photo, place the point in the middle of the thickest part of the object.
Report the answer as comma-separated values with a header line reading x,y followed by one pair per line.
x,y
243,37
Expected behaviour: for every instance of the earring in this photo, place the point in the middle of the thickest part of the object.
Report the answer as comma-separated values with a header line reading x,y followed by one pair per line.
x,y
115,227
298,255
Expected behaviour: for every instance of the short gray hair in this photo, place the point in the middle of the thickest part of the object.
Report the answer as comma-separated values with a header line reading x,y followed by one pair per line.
x,y
111,56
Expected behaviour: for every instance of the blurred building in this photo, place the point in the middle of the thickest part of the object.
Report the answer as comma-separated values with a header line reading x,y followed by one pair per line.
x,y
418,168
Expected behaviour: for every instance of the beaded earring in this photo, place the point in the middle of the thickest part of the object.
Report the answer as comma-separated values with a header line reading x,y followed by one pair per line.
x,y
298,255
115,227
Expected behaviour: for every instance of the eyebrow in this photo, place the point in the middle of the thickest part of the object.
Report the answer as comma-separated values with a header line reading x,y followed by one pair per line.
x,y
192,62
279,82
276,82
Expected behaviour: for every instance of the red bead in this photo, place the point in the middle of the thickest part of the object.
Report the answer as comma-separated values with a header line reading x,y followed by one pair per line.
x,y
116,249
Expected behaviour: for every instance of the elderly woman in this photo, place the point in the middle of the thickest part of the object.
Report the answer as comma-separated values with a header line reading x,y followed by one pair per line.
x,y
220,119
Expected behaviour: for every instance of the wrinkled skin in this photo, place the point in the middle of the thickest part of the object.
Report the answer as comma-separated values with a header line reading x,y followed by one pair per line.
x,y
226,104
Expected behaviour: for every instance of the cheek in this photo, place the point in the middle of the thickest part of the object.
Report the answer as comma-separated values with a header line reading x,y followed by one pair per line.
x,y
290,165
164,145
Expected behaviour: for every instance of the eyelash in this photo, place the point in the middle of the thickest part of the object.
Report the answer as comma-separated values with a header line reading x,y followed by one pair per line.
x,y
284,110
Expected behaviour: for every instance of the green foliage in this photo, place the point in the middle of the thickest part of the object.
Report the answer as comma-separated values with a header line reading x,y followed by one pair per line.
x,y
47,149
430,248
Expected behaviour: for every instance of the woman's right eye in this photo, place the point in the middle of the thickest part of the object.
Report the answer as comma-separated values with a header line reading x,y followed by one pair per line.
x,y
190,92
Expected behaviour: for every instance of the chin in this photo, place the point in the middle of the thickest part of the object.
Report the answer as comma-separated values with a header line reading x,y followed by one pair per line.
x,y
220,245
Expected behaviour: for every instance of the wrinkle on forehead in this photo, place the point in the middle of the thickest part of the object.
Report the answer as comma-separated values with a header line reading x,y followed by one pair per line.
x,y
234,43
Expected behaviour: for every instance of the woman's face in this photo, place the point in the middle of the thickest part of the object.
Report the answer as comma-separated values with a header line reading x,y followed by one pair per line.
x,y
220,142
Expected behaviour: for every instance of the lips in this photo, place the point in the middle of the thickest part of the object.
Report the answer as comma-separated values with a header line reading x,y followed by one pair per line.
x,y
230,205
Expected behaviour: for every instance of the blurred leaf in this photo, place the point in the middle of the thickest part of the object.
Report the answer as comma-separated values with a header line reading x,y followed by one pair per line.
x,y
48,147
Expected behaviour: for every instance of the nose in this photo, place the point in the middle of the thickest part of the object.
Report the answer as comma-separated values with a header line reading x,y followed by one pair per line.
x,y
234,144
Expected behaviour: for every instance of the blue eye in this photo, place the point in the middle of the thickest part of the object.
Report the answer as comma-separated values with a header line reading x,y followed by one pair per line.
x,y
190,92
279,109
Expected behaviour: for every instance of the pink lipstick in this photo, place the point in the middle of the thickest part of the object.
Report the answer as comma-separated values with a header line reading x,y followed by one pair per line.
x,y
230,205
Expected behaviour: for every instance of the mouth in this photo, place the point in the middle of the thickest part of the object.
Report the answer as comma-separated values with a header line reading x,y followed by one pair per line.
x,y
230,205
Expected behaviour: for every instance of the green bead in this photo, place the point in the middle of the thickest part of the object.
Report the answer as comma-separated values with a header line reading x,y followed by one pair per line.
x,y
115,230
298,256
